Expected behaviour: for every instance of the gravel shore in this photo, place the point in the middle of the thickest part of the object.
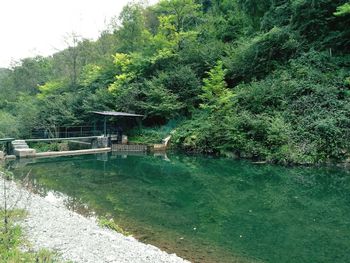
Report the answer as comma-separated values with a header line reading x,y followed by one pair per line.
x,y
76,238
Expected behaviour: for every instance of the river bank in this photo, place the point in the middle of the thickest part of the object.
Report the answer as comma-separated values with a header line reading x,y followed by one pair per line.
x,y
75,238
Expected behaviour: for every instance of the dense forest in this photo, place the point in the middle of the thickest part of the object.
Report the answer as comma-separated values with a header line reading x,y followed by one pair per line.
x,y
261,79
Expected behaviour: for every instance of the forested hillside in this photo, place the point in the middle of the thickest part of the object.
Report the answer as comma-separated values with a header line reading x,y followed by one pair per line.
x,y
262,79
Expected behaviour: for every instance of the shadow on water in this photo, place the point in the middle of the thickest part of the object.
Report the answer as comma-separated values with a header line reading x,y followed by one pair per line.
x,y
207,209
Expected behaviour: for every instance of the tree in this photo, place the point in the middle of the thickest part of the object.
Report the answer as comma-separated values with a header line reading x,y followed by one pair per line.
x,y
159,102
215,94
182,14
30,73
131,33
71,55
255,10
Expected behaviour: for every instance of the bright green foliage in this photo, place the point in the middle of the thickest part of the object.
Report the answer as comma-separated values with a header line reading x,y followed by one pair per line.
x,y
215,94
109,223
180,15
343,10
129,67
89,74
50,88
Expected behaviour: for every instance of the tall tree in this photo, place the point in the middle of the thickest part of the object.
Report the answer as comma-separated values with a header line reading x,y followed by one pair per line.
x,y
131,29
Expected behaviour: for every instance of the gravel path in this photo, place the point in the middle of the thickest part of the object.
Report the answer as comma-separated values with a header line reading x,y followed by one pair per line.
x,y
76,238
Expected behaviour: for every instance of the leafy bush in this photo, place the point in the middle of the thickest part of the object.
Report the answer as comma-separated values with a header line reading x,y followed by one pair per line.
x,y
152,135
299,114
50,147
255,58
8,125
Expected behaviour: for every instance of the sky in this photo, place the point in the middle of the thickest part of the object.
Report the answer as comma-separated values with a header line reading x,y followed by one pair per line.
x,y
38,27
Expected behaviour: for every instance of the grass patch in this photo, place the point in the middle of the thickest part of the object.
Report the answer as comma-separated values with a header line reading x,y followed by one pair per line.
x,y
49,146
109,223
11,239
152,135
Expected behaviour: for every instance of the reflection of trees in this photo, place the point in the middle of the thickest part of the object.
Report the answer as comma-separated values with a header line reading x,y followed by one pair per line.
x,y
264,211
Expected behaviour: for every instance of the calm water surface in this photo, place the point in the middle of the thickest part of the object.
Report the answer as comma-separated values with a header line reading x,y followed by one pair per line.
x,y
207,209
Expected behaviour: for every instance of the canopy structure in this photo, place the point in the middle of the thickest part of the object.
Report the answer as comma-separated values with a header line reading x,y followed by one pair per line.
x,y
114,114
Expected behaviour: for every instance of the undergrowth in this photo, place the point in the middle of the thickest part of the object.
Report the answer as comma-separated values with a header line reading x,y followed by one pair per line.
x,y
12,241
109,223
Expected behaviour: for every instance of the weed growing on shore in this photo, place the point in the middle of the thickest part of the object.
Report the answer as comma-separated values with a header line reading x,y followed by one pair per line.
x,y
109,223
12,242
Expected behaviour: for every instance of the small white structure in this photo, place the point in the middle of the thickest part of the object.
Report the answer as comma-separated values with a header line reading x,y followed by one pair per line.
x,y
163,146
22,150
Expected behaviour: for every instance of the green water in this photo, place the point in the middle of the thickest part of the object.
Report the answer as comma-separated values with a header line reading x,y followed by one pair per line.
x,y
206,209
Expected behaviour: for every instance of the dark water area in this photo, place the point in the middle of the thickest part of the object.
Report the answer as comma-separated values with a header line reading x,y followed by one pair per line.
x,y
208,209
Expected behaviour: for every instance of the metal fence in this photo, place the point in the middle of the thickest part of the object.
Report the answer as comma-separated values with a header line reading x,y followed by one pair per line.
x,y
66,132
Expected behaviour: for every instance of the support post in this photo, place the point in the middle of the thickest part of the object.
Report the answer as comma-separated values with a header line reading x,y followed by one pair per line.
x,y
8,148
105,126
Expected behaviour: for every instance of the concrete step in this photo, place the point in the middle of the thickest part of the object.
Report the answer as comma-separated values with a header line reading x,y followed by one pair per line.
x,y
24,153
21,146
16,142
21,149
19,141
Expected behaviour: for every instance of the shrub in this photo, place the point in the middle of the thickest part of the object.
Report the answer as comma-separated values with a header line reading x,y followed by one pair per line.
x,y
299,114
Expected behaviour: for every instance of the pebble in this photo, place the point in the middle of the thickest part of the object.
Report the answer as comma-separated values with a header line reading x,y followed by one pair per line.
x,y
76,238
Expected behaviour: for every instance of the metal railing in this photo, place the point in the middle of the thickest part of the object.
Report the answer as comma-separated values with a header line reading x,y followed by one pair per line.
x,y
66,132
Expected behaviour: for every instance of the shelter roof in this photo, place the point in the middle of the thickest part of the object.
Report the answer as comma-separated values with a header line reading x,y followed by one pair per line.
x,y
116,113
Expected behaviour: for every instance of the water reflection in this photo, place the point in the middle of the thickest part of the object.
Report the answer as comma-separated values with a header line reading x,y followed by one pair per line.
x,y
207,209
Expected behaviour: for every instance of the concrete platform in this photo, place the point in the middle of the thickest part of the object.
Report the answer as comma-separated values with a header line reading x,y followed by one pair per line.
x,y
24,153
71,153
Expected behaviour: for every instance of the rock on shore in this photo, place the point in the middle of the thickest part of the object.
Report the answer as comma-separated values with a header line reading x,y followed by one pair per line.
x,y
76,238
